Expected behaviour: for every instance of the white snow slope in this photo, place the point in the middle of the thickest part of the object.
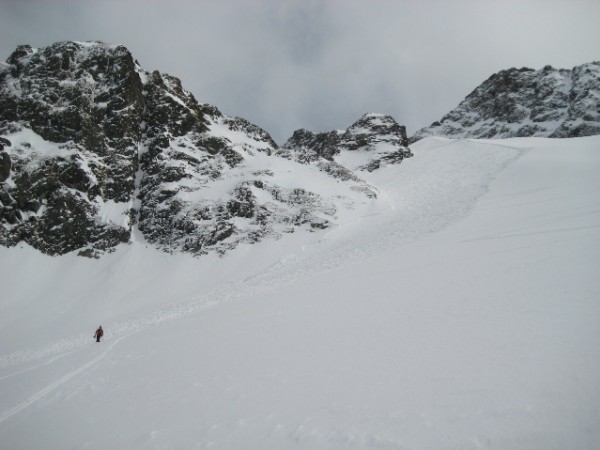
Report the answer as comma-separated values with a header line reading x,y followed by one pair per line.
x,y
461,310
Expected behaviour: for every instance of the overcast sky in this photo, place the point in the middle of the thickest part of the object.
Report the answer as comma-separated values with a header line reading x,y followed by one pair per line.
x,y
321,64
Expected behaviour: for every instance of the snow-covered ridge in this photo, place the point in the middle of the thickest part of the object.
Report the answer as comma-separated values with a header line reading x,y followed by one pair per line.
x,y
526,102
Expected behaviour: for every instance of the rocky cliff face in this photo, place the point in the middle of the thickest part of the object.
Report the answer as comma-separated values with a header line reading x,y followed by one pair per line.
x,y
524,102
95,152
85,102
373,141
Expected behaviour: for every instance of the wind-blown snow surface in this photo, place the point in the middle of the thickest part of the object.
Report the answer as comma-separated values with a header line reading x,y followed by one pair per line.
x,y
460,310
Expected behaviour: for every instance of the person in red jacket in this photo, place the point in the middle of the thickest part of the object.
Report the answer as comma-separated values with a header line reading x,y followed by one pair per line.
x,y
99,333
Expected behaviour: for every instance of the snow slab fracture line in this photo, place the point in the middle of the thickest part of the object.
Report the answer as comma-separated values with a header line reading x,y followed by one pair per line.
x,y
36,397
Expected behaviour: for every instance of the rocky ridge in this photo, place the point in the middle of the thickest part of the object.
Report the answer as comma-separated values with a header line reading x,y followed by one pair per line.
x,y
97,152
371,142
525,102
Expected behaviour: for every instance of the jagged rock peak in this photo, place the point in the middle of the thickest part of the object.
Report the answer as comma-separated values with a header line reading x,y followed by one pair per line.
x,y
378,138
101,146
324,144
373,128
525,102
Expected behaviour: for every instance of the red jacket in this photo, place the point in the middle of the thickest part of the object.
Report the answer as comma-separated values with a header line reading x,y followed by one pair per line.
x,y
99,332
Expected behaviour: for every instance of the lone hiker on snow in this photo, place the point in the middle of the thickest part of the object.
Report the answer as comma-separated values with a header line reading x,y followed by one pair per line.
x,y
99,333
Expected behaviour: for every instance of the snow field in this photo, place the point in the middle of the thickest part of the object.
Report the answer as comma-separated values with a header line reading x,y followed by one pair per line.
x,y
458,311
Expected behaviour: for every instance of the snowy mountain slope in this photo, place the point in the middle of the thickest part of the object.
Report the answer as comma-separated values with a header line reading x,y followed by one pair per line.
x,y
459,310
98,152
526,102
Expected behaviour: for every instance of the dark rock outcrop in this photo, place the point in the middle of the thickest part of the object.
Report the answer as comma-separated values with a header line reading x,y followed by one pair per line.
x,y
85,101
5,162
5,166
378,138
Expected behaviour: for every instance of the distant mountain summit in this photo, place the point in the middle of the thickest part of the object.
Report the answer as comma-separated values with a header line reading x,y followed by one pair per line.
x,y
96,152
369,143
525,102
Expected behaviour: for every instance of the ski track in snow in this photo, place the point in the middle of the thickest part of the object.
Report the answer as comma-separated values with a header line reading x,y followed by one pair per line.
x,y
396,229
37,366
51,387
118,330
